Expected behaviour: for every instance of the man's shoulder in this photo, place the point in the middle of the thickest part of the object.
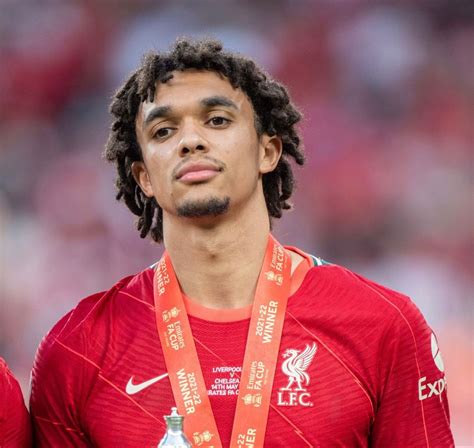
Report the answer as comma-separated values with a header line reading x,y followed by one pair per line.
x,y
6,377
95,309
9,386
340,306
344,290
86,340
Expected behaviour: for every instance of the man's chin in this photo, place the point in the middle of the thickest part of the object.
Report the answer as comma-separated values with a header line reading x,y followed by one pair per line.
x,y
201,208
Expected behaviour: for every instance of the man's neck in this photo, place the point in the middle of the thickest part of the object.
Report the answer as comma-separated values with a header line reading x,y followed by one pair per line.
x,y
218,265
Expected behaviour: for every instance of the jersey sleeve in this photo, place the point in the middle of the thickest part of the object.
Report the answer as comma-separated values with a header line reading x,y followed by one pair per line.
x,y
15,429
412,403
55,401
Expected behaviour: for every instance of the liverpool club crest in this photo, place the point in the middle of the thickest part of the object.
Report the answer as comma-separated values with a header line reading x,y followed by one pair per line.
x,y
294,367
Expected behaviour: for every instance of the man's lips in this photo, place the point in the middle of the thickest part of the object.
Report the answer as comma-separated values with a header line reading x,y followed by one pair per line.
x,y
195,172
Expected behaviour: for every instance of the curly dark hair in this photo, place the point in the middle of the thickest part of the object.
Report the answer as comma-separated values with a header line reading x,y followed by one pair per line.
x,y
275,115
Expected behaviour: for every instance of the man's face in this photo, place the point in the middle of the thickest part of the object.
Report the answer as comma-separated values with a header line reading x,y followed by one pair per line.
x,y
200,148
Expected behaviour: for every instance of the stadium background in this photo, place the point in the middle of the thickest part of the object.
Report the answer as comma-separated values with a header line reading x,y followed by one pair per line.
x,y
387,93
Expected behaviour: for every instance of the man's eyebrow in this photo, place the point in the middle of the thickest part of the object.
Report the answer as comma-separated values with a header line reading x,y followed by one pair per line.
x,y
157,112
211,101
217,100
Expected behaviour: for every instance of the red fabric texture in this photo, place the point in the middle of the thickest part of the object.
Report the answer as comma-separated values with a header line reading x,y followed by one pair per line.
x,y
356,367
15,428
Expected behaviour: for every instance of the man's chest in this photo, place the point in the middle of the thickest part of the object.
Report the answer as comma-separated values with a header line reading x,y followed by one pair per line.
x,y
317,397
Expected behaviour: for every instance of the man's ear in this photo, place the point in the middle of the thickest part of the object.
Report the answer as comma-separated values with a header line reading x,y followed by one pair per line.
x,y
270,152
140,174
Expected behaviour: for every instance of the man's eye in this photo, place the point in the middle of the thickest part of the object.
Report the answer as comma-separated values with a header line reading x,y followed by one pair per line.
x,y
163,132
218,121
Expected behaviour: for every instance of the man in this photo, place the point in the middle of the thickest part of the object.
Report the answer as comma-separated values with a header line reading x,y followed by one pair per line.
x,y
15,428
256,344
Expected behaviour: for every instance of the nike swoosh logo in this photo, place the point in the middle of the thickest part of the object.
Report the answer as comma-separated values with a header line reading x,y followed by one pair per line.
x,y
132,389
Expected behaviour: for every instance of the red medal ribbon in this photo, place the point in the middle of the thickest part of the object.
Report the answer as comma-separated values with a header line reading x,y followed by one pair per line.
x,y
261,352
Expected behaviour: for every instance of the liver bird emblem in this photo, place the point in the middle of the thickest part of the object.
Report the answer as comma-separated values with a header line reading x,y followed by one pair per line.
x,y
296,364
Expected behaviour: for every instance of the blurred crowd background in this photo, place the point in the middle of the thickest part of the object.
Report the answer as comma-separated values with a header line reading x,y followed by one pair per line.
x,y
386,89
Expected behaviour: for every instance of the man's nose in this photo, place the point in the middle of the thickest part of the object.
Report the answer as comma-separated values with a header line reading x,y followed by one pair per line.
x,y
191,140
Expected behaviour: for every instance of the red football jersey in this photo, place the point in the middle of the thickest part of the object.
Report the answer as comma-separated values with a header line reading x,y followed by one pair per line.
x,y
357,366
15,428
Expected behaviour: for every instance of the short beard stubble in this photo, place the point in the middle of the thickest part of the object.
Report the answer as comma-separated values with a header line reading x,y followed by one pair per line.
x,y
207,207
